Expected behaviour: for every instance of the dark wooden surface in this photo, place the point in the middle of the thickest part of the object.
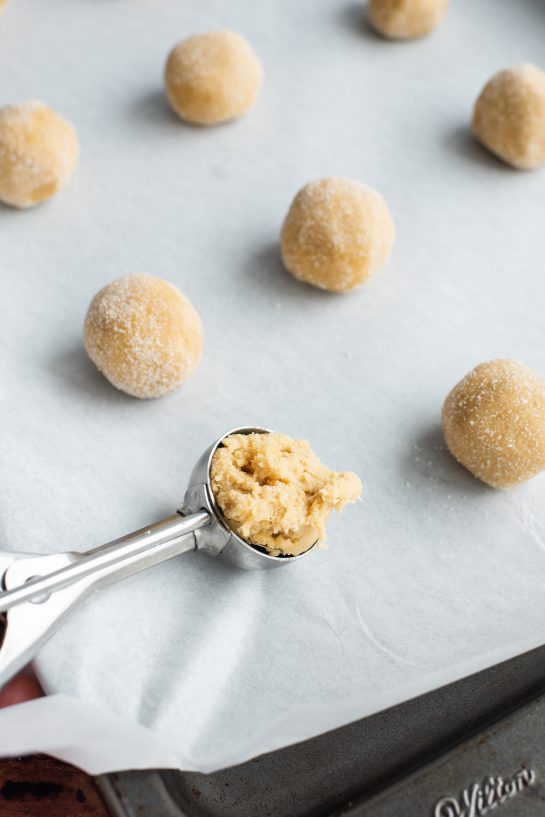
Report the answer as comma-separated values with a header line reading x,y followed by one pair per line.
x,y
40,786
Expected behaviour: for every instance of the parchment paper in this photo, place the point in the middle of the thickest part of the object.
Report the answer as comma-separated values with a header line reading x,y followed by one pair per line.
x,y
434,575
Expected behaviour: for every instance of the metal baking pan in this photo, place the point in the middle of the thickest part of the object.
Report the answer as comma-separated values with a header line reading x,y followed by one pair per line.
x,y
474,744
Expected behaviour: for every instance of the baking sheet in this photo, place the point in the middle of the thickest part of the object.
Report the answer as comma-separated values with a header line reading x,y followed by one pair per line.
x,y
434,575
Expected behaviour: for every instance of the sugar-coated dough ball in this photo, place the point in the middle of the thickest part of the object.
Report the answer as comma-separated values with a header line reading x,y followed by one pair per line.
x,y
405,19
38,153
211,78
143,335
336,233
274,491
509,116
494,422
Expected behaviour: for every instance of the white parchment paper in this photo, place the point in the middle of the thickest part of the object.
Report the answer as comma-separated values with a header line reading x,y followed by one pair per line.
x,y
434,575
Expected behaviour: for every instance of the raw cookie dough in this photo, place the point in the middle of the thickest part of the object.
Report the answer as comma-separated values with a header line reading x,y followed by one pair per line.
x,y
143,335
214,77
405,19
494,422
336,233
509,116
38,153
274,491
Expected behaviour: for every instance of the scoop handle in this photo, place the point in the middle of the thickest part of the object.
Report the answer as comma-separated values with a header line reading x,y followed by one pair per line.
x,y
115,560
42,591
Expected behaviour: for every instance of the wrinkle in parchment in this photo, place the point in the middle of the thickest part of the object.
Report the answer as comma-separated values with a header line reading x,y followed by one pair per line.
x,y
394,656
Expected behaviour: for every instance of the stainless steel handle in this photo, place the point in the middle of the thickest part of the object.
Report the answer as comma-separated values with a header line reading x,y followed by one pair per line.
x,y
115,560
41,591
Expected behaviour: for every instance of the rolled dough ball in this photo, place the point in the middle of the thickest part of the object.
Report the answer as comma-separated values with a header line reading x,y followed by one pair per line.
x,y
494,422
336,233
509,116
406,19
38,153
143,335
274,491
211,78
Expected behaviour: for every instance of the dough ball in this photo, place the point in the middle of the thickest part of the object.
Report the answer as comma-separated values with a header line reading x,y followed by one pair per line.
x,y
143,335
210,78
405,19
336,233
38,153
494,422
509,116
274,491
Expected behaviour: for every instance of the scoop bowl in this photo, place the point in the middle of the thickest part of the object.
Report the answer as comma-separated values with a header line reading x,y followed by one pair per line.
x,y
217,539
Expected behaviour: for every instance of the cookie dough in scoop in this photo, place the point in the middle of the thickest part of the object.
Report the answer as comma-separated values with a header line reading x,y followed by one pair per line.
x,y
274,492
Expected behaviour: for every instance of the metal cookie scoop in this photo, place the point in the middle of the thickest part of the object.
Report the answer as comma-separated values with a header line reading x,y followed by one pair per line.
x,y
39,592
